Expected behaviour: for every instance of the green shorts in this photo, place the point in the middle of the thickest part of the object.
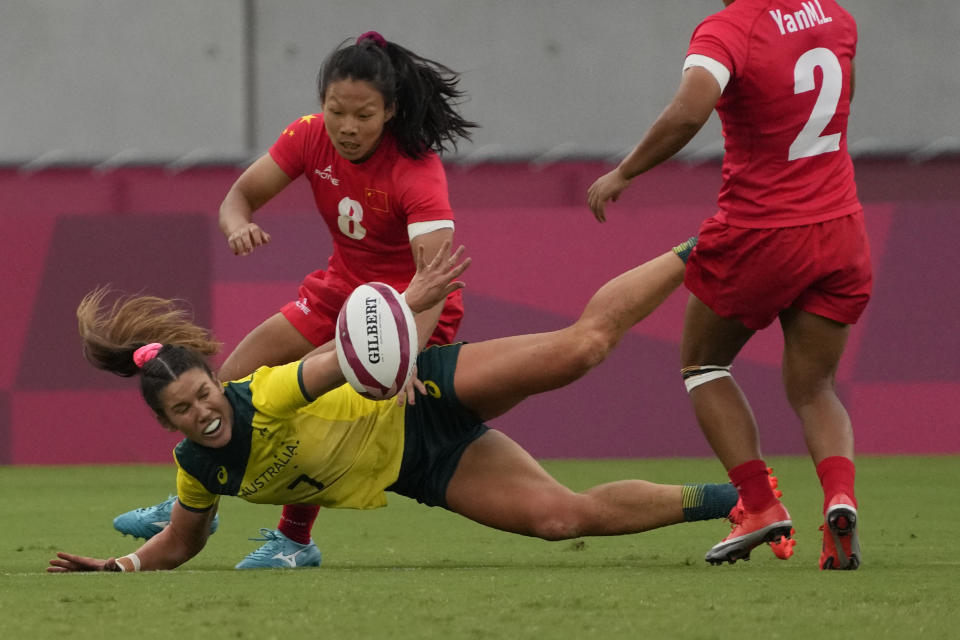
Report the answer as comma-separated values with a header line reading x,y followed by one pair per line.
x,y
437,430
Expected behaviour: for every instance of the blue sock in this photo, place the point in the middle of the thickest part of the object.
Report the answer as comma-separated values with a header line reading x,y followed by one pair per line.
x,y
708,501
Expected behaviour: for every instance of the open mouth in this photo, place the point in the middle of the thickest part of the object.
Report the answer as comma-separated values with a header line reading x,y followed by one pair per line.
x,y
212,427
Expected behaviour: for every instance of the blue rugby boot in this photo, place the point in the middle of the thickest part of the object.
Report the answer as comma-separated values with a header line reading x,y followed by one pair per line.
x,y
147,522
280,552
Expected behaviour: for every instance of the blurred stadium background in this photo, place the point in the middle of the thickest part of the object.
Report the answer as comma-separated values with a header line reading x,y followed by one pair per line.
x,y
123,123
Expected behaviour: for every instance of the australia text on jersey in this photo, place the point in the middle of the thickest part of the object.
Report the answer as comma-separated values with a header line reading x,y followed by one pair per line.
x,y
811,15
280,461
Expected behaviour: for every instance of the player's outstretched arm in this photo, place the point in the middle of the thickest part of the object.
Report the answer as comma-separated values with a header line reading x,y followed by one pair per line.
x,y
431,284
686,114
181,540
261,181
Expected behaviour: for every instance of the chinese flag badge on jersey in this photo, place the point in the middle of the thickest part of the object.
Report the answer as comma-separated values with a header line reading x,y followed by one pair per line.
x,y
377,200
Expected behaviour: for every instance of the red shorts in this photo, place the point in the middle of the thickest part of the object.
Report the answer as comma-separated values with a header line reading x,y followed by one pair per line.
x,y
751,275
314,313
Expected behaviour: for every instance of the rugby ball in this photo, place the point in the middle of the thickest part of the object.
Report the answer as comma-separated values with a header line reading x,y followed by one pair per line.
x,y
376,340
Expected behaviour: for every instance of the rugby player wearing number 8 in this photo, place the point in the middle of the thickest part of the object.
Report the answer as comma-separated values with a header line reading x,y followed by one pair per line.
x,y
296,432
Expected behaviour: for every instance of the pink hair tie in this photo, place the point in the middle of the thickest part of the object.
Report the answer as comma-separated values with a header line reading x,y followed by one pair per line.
x,y
378,39
146,353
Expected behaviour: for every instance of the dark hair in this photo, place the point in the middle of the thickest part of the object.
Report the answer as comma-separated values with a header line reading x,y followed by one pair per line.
x,y
423,93
111,335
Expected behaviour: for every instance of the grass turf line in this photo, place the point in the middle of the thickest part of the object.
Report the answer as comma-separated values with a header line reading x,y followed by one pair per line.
x,y
412,572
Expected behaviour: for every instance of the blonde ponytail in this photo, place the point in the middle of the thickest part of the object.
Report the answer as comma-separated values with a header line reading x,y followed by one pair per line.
x,y
111,334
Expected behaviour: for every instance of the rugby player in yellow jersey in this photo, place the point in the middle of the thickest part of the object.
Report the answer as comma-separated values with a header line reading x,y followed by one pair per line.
x,y
296,433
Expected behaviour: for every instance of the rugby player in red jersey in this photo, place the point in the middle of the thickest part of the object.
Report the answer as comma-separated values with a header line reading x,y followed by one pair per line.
x,y
788,242
371,158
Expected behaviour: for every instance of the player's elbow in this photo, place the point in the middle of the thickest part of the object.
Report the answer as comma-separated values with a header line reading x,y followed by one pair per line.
x,y
685,121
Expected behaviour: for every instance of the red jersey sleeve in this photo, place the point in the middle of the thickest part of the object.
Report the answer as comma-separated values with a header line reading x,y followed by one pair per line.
x,y
722,41
422,189
289,151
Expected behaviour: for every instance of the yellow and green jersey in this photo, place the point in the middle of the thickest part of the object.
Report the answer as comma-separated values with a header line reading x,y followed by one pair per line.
x,y
340,450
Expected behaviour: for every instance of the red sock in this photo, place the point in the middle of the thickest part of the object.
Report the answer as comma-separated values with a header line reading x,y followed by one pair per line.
x,y
752,482
297,521
836,474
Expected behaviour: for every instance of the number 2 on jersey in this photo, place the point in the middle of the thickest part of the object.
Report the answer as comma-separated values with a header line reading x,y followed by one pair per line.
x,y
809,142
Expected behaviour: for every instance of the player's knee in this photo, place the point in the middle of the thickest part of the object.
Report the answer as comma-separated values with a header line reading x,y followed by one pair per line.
x,y
588,347
558,520
808,392
557,527
696,375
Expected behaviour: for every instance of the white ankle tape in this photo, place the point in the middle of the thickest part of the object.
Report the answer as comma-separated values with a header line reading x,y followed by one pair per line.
x,y
695,376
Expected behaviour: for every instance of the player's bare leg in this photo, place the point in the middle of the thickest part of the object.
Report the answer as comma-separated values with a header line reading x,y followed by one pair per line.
x,y
813,346
495,375
500,485
721,408
812,349
710,344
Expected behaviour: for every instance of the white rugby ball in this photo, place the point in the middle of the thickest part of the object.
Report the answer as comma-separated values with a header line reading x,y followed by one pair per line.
x,y
376,340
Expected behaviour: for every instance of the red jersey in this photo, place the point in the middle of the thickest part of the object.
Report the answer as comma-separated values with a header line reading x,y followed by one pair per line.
x,y
784,110
369,207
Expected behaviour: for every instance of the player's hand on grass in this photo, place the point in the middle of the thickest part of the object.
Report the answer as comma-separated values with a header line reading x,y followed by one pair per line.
x,y
67,563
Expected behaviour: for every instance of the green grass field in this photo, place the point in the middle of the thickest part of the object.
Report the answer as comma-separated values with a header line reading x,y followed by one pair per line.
x,y
408,571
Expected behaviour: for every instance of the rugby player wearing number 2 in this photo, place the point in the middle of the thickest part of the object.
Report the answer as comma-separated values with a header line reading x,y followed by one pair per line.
x,y
787,242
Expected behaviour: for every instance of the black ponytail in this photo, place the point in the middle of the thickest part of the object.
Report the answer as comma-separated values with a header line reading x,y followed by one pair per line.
x,y
423,93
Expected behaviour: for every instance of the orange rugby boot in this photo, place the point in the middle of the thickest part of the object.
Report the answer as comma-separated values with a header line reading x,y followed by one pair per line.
x,y
841,545
752,530
772,526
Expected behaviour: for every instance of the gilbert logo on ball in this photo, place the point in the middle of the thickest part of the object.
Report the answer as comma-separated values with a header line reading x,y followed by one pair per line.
x,y
376,340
